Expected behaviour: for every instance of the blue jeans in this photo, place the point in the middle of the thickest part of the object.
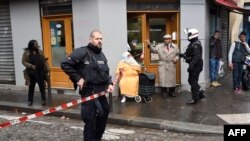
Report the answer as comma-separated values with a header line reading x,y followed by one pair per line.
x,y
237,73
214,66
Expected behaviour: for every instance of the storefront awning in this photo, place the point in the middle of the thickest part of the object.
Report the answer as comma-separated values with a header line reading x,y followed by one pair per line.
x,y
230,4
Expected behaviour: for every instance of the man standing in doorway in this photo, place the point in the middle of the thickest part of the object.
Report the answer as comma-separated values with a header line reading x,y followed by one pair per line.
x,y
87,67
215,54
168,54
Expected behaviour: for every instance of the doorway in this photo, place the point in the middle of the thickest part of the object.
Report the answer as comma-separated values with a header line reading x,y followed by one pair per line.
x,y
58,43
152,27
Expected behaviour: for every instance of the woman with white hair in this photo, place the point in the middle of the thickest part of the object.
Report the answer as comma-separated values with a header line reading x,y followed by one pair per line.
x,y
129,70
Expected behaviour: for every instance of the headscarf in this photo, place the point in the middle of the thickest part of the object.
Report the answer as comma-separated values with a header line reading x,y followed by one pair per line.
x,y
127,58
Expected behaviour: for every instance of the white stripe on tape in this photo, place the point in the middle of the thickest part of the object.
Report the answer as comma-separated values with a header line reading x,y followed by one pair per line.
x,y
88,98
69,104
31,116
15,121
79,101
58,108
46,112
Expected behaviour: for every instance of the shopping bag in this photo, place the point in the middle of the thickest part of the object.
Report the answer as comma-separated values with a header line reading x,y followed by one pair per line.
x,y
221,68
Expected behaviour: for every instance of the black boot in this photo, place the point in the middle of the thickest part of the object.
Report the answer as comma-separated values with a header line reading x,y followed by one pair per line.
x,y
164,92
172,92
29,103
201,94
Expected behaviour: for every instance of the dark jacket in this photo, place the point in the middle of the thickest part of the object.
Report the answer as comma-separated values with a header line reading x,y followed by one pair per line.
x,y
85,63
239,53
194,55
215,49
27,63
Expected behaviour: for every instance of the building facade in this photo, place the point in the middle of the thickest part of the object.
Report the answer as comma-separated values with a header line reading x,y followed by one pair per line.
x,y
60,26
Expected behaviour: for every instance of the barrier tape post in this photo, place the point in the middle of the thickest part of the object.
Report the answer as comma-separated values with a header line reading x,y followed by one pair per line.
x,y
110,102
54,109
49,92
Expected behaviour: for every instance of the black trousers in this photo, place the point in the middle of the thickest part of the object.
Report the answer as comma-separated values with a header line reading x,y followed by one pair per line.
x,y
193,79
94,124
41,84
168,90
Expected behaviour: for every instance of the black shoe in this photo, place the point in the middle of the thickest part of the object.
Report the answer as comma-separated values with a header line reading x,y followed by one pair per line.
x,y
172,95
164,96
43,103
201,94
29,104
192,101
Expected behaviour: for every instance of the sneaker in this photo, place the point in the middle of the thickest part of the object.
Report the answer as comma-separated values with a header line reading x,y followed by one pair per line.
x,y
214,84
217,83
238,91
123,99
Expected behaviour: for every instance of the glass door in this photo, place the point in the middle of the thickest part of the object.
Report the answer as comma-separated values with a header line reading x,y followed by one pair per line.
x,y
57,36
136,36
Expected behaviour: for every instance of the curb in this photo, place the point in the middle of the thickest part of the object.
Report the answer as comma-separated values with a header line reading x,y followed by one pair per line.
x,y
119,119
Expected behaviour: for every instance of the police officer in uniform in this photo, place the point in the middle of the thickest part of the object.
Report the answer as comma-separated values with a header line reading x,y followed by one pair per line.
x,y
87,68
193,57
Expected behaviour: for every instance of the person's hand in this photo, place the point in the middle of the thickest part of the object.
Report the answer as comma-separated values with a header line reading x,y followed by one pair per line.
x,y
231,66
175,60
245,43
110,88
142,56
148,42
80,83
33,67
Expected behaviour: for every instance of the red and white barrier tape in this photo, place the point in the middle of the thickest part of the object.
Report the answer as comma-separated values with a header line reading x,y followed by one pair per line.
x,y
54,109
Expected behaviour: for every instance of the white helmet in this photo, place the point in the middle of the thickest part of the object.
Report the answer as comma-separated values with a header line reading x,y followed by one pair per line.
x,y
191,32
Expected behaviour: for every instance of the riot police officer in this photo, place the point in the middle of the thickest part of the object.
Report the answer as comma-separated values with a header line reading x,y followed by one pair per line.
x,y
87,68
193,57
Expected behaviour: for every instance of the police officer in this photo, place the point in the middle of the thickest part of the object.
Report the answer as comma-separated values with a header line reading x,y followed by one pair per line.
x,y
193,57
87,67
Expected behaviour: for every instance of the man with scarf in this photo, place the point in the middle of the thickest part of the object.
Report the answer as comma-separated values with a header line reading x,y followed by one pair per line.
x,y
87,67
129,70
215,54
168,55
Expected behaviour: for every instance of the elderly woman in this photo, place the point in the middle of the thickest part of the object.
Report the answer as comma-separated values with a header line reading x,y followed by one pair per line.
x,y
129,70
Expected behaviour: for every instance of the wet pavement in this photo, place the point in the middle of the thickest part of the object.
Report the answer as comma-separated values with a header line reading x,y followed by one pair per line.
x,y
219,100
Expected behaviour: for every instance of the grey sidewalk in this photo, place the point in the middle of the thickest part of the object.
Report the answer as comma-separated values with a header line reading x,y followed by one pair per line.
x,y
168,114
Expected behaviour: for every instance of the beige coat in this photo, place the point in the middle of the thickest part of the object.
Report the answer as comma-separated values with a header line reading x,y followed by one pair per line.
x,y
167,68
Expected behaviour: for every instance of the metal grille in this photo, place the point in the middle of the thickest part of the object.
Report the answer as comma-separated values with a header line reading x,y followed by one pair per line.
x,y
56,7
7,70
54,2
224,14
153,5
